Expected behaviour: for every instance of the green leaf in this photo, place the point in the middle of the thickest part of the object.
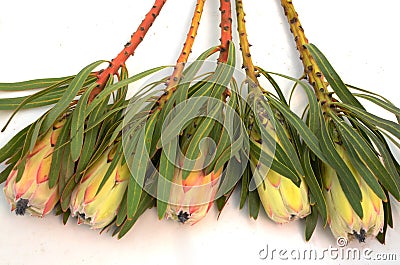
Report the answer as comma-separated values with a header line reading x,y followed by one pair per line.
x,y
139,167
78,124
274,84
45,100
73,89
254,204
388,221
113,165
5,173
314,187
91,136
65,197
58,154
32,84
231,176
145,203
179,118
245,180
122,211
384,150
35,133
105,93
31,98
193,150
14,144
66,216
346,179
390,126
312,101
183,87
67,168
369,159
21,168
166,174
306,134
311,224
387,105
25,149
288,147
333,78
276,165
363,170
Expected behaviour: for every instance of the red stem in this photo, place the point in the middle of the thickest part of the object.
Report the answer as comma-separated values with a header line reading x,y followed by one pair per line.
x,y
226,29
129,48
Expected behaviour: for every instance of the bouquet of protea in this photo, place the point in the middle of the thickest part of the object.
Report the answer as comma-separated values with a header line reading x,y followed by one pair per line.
x,y
188,138
357,170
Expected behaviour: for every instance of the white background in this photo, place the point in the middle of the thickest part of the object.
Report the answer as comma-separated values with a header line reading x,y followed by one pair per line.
x,y
44,38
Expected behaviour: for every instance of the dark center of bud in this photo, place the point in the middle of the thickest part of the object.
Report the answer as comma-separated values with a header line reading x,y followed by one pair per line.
x,y
183,217
292,217
21,206
83,217
360,236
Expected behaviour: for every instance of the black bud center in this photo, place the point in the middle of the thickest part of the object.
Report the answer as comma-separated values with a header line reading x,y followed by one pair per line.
x,y
183,217
360,236
21,206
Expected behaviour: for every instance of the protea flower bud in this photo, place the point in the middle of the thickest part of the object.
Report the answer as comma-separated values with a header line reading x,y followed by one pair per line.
x,y
342,218
94,208
32,193
192,198
282,200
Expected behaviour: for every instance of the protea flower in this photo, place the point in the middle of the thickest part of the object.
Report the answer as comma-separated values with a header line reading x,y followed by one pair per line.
x,y
352,144
282,200
192,198
99,208
341,217
32,193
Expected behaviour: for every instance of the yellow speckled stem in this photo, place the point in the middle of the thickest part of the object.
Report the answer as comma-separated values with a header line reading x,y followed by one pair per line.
x,y
311,69
244,43
187,47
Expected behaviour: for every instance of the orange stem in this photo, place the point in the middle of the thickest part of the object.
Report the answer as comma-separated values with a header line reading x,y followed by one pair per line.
x,y
129,48
226,29
187,47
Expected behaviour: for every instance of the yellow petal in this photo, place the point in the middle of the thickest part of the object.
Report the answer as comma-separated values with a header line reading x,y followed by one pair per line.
x,y
291,195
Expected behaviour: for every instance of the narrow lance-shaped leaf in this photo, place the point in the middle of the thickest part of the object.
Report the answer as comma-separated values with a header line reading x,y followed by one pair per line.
x,y
390,126
5,173
363,170
333,78
14,144
306,134
313,185
369,158
73,89
166,174
311,223
32,84
346,179
78,123
57,156
45,100
384,151
139,166
91,136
